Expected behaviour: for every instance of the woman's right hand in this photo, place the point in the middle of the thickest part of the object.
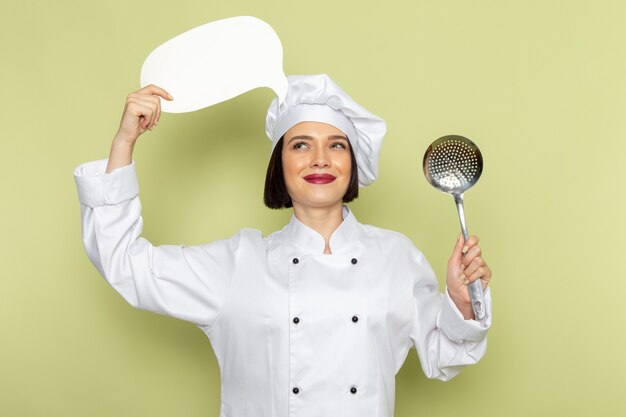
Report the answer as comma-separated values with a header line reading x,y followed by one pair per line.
x,y
141,112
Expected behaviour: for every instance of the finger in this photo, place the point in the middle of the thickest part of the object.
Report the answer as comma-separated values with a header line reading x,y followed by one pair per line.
x,y
144,95
157,108
464,280
471,241
142,100
155,112
158,114
147,103
146,99
477,274
483,273
472,254
474,265
156,100
153,89
142,112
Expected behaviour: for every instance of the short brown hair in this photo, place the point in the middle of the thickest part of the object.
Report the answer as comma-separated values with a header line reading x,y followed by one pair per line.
x,y
276,196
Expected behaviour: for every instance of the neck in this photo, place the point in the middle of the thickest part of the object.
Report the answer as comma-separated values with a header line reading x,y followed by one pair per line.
x,y
324,220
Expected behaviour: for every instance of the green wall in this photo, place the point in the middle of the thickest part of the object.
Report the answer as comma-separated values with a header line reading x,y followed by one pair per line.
x,y
539,85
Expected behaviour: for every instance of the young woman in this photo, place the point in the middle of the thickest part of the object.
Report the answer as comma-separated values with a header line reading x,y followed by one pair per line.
x,y
317,318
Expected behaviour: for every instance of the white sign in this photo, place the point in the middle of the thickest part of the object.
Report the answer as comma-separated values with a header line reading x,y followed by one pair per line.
x,y
216,62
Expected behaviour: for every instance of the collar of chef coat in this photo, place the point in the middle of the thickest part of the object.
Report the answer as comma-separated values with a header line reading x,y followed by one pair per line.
x,y
310,242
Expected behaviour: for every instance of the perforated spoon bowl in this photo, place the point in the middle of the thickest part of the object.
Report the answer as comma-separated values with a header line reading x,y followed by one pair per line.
x,y
453,164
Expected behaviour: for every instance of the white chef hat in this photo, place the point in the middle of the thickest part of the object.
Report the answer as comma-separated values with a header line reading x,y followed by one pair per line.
x,y
316,98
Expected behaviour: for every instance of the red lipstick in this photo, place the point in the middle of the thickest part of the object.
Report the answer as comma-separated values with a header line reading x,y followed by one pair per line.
x,y
320,178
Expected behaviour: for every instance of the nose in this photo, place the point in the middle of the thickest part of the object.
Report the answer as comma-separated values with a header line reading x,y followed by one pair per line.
x,y
319,158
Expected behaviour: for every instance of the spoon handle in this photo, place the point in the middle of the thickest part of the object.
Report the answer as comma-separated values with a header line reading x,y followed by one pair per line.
x,y
477,297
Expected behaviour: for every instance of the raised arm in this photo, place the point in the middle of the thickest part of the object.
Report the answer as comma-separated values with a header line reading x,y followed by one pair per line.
x,y
186,282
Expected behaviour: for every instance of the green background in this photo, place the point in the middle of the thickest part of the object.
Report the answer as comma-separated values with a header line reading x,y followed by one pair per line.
x,y
539,85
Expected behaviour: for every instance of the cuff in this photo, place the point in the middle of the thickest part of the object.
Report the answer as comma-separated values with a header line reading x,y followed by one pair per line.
x,y
456,328
96,188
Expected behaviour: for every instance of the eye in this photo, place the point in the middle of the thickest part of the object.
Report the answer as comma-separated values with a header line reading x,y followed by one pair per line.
x,y
300,145
338,145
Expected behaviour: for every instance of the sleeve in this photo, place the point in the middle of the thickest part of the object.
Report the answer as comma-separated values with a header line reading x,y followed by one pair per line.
x,y
185,282
444,340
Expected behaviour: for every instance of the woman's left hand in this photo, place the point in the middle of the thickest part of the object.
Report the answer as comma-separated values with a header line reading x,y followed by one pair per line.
x,y
465,266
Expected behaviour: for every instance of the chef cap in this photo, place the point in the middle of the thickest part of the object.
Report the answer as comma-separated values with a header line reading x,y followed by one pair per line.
x,y
316,98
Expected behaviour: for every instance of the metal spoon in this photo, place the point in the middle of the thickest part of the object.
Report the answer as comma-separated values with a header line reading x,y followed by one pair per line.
x,y
453,164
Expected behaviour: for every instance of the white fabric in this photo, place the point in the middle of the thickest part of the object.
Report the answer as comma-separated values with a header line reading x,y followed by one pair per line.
x,y
357,321
314,113
306,95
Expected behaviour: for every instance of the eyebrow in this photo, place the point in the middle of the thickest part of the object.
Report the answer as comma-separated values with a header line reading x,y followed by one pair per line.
x,y
306,137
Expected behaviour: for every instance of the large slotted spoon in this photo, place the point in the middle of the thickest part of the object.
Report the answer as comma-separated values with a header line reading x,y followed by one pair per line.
x,y
453,164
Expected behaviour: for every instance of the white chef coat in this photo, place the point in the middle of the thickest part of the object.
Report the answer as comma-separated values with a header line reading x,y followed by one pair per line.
x,y
296,332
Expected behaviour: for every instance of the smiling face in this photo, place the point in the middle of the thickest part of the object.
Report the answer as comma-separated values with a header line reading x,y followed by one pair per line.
x,y
316,165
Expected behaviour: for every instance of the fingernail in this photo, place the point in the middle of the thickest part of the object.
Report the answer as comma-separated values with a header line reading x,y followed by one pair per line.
x,y
170,96
465,249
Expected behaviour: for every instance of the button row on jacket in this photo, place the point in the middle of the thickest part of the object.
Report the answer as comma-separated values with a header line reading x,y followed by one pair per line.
x,y
297,261
296,390
296,320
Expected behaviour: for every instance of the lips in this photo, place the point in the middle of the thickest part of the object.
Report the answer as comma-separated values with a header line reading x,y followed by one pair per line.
x,y
320,178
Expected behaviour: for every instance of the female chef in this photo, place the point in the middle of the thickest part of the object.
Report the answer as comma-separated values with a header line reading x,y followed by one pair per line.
x,y
317,318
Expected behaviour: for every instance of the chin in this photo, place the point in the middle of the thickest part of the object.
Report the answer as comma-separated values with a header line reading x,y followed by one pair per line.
x,y
319,202
318,197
